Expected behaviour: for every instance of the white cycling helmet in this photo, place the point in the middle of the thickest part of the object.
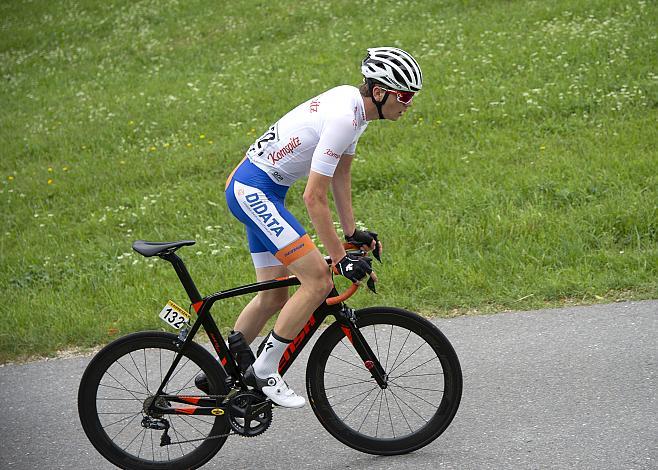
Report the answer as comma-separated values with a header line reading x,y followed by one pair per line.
x,y
392,67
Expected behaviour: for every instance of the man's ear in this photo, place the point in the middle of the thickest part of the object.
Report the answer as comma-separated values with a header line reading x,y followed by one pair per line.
x,y
376,92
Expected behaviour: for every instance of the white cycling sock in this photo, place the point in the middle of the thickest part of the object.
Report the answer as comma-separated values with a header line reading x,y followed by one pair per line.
x,y
268,361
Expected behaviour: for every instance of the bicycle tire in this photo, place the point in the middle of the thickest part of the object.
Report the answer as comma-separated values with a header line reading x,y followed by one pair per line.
x,y
116,382
335,367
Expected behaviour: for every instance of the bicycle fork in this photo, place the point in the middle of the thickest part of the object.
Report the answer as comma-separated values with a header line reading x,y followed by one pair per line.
x,y
348,320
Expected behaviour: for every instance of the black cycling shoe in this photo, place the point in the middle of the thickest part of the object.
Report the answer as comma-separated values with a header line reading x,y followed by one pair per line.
x,y
201,382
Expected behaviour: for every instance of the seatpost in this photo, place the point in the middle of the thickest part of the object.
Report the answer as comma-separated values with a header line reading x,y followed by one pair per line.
x,y
184,276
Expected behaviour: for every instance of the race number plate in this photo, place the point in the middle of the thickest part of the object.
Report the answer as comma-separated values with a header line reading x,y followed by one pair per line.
x,y
175,316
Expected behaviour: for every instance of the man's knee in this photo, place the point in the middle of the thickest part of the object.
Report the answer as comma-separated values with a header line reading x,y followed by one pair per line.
x,y
321,282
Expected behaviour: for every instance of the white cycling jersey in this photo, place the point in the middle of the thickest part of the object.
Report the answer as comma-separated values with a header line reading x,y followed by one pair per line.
x,y
313,136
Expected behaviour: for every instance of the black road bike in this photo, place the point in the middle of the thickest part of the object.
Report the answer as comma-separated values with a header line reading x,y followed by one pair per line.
x,y
381,380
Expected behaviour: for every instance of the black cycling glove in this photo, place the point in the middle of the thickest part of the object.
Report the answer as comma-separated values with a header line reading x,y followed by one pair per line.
x,y
354,268
364,237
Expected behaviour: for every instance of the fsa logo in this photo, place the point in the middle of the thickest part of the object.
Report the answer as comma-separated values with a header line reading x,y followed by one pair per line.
x,y
331,153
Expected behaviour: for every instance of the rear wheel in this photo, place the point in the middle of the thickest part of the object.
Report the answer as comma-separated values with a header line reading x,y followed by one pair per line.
x,y
423,383
117,388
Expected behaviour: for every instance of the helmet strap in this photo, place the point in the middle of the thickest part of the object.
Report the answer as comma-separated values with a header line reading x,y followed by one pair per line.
x,y
378,104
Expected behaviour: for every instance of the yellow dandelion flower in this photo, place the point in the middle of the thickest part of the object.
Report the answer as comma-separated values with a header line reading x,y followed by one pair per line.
x,y
50,181
210,142
10,178
202,136
66,168
189,145
50,170
153,148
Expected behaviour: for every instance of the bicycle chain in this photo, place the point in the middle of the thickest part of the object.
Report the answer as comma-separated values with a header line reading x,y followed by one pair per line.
x,y
204,438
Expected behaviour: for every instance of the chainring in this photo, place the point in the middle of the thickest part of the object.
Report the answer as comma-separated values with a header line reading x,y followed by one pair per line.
x,y
249,413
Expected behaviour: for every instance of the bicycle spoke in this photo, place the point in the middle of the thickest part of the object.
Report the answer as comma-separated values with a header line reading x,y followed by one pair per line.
x,y
168,455
349,384
130,374
401,412
420,365
340,375
415,388
178,439
401,348
368,412
200,418
193,427
176,372
352,351
117,399
434,374
347,362
374,332
390,417
152,449
146,371
407,358
185,385
390,338
146,386
367,393
160,357
379,414
407,405
139,452
124,389
184,438
411,393
133,439
352,397
131,417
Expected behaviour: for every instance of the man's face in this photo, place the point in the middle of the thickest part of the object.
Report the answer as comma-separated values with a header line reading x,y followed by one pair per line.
x,y
393,109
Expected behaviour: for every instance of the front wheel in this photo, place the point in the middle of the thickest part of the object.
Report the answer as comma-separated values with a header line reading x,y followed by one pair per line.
x,y
116,391
422,391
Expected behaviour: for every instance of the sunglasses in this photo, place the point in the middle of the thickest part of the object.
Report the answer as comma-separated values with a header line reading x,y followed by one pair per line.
x,y
403,97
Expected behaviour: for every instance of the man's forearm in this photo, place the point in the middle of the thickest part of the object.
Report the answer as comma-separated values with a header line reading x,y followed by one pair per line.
x,y
342,192
318,210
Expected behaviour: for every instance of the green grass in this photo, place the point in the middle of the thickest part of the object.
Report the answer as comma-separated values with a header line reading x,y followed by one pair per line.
x,y
524,176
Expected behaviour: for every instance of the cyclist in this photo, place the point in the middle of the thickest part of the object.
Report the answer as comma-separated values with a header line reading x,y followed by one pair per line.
x,y
316,139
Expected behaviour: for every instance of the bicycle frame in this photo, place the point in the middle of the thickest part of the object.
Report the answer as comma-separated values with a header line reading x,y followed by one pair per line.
x,y
202,305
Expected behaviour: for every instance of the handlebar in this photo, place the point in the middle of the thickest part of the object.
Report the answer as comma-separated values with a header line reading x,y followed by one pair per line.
x,y
342,297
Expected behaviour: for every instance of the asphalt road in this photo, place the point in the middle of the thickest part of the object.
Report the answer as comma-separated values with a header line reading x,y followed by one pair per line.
x,y
564,388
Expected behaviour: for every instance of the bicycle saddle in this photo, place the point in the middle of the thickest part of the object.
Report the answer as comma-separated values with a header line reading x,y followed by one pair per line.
x,y
149,249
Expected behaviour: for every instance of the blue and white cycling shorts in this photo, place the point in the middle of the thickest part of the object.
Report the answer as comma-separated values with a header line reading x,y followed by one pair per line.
x,y
275,236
